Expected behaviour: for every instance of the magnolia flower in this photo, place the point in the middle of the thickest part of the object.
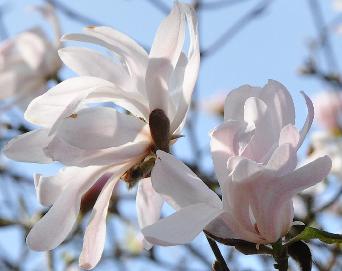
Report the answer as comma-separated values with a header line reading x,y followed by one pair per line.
x,y
28,61
328,107
214,104
94,140
254,154
326,143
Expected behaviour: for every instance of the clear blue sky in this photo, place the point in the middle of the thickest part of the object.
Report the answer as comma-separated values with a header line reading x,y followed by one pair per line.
x,y
272,47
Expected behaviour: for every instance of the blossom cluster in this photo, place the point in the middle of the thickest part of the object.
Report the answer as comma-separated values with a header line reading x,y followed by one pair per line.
x,y
254,150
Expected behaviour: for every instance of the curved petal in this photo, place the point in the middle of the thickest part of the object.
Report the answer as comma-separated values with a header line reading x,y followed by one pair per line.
x,y
49,188
165,52
283,160
132,53
280,103
29,147
224,144
181,227
235,100
308,121
190,72
56,224
95,234
179,184
63,100
100,127
271,198
148,204
86,62
31,46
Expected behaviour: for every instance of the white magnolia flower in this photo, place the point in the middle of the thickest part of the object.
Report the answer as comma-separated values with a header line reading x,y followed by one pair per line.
x,y
155,88
28,61
254,153
327,143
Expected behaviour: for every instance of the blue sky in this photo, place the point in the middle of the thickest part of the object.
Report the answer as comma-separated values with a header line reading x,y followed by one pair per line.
x,y
273,47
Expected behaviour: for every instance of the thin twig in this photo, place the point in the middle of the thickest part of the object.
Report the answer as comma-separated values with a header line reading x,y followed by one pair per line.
x,y
254,13
160,6
323,33
72,14
217,253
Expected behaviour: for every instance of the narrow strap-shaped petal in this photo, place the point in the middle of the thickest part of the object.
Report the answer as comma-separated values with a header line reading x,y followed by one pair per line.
x,y
95,234
304,177
46,109
56,224
148,204
29,147
308,121
181,227
165,52
179,184
190,72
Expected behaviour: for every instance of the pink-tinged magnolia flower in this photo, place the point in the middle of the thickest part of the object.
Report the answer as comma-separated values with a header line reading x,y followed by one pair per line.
x,y
91,141
328,107
28,61
254,154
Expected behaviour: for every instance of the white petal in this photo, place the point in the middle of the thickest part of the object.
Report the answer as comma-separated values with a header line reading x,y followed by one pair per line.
x,y
49,188
56,224
165,52
29,147
32,47
149,204
181,227
100,127
51,106
86,62
179,184
95,234
191,70
133,54
69,155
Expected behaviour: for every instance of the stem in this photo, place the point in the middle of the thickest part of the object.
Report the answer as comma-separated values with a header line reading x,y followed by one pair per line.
x,y
280,256
218,255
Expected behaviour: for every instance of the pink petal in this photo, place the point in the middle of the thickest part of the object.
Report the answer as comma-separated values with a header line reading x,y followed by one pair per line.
x,y
181,227
223,145
179,184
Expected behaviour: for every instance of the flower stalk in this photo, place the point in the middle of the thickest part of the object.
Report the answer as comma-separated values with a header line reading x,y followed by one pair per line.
x,y
218,255
280,255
